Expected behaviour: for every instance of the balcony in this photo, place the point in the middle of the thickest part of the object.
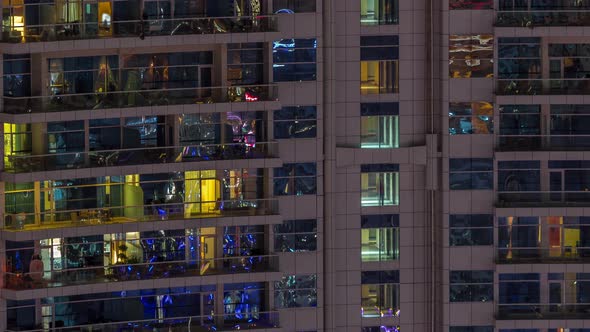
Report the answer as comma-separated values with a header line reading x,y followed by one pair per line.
x,y
543,199
542,255
542,311
127,157
144,271
529,87
140,213
16,31
139,98
543,18
234,322
543,143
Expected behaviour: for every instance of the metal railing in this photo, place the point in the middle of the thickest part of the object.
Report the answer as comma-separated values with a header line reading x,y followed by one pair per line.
x,y
543,199
139,98
544,18
139,156
543,142
141,213
542,311
542,255
138,28
226,322
527,87
143,271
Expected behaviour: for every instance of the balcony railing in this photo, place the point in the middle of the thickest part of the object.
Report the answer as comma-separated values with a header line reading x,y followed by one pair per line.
x,y
213,323
138,28
542,311
140,156
139,98
542,255
543,199
527,87
545,18
140,213
543,143
144,271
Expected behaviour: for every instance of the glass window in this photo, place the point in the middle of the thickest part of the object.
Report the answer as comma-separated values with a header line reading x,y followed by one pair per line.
x,y
471,286
294,291
295,179
245,63
519,176
379,125
18,141
294,60
471,174
471,56
471,229
379,64
520,126
243,300
471,329
296,236
379,237
569,125
379,12
294,6
471,118
17,75
381,328
515,288
518,237
295,122
379,293
379,187
471,4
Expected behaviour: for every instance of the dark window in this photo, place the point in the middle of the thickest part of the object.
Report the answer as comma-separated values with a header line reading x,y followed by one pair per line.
x,y
294,60
295,122
296,236
471,286
471,229
293,6
471,4
471,329
295,179
471,174
517,288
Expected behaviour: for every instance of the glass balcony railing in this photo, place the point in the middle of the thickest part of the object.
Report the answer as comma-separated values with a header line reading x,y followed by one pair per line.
x,y
209,323
22,33
139,98
543,199
145,271
527,87
140,156
543,143
543,18
542,255
140,213
542,311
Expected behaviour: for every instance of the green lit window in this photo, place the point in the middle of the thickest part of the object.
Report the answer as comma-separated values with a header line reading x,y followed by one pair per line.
x,y
380,185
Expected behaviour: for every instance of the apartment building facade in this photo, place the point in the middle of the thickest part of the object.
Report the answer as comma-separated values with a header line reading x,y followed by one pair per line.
x,y
295,165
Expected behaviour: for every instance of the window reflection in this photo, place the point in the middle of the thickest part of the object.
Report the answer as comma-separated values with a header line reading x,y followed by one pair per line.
x,y
471,56
471,118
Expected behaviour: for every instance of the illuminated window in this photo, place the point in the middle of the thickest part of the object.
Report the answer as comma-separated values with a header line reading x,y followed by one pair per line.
x,y
379,12
471,118
379,125
379,293
471,56
379,185
379,238
379,64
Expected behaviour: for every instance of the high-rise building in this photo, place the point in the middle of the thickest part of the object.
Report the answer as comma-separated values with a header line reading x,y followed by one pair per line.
x,y
295,165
